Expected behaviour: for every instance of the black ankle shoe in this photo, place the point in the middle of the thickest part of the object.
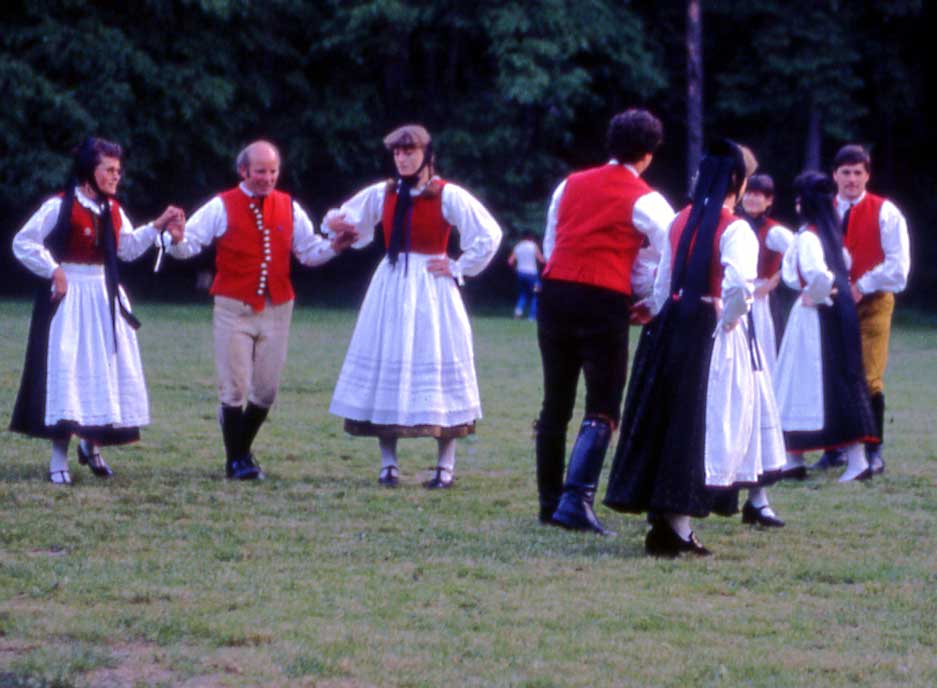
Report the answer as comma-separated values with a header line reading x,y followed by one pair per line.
x,y
242,469
754,515
94,461
575,512
662,541
438,482
388,477
250,462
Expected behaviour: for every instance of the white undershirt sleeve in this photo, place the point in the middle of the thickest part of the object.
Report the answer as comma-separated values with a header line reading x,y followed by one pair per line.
x,y
549,233
309,248
892,273
207,224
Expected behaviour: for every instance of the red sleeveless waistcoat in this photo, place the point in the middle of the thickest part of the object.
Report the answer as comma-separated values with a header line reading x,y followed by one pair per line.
x,y
252,257
429,231
863,236
716,269
769,261
596,240
83,244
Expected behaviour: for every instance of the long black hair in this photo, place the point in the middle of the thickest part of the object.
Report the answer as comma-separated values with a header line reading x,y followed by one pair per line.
x,y
722,170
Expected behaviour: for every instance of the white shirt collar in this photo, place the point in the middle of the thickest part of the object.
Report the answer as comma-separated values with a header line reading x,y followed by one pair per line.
x,y
87,202
247,192
843,203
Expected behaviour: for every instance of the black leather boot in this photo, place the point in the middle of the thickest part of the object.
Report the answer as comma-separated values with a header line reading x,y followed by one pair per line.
x,y
873,451
237,467
231,423
254,417
585,464
550,447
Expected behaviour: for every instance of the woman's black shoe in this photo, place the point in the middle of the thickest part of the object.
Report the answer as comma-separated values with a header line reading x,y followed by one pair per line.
x,y
662,541
753,515
388,476
94,461
437,482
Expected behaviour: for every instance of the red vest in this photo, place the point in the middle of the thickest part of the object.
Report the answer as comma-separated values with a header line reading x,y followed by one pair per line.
x,y
596,240
863,236
716,269
83,244
769,262
252,257
429,231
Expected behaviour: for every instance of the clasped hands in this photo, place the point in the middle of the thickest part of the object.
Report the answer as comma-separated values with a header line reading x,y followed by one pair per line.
x,y
173,221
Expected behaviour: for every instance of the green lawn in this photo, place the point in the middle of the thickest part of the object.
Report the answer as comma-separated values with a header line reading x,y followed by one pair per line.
x,y
170,575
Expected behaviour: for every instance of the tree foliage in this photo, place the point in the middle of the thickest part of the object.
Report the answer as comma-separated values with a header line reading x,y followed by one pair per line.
x,y
515,94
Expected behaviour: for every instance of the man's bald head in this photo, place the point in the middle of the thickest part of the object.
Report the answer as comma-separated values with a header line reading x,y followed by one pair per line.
x,y
259,166
256,149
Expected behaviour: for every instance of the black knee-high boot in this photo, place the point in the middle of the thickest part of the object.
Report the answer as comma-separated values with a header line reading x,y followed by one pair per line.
x,y
551,462
254,417
231,432
585,464
874,451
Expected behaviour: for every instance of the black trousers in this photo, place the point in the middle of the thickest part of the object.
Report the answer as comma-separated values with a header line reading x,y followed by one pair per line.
x,y
581,328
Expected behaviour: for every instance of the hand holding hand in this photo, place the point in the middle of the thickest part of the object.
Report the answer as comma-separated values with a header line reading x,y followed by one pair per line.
x,y
176,229
344,237
338,225
59,285
172,213
439,267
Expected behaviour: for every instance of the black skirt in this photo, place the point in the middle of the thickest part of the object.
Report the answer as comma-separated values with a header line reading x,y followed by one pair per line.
x,y
659,463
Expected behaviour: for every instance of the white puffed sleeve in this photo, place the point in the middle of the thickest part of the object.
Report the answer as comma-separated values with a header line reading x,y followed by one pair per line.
x,y
28,246
134,242
738,253
363,210
479,233
813,268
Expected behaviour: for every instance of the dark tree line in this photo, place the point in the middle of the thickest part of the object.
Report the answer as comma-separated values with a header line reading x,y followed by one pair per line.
x,y
516,94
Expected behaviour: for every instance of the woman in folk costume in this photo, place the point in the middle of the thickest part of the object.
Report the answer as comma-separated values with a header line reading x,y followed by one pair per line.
x,y
820,383
83,374
773,240
700,419
410,366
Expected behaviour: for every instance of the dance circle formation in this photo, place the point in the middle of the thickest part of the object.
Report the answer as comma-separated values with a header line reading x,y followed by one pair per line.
x,y
757,345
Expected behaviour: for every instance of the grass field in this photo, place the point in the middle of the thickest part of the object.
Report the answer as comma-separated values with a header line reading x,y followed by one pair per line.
x,y
169,575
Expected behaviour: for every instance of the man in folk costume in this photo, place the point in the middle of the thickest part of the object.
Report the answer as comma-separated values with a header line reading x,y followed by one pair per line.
x,y
773,240
255,228
83,375
876,235
410,366
821,389
598,221
700,419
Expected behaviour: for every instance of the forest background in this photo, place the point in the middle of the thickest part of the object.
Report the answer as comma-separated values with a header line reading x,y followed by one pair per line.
x,y
516,95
